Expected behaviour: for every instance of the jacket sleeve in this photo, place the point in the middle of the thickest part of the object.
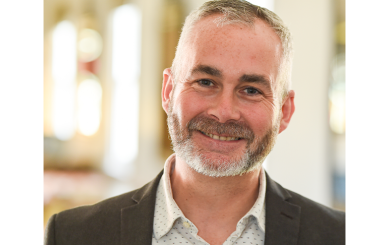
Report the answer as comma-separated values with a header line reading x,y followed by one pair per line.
x,y
50,231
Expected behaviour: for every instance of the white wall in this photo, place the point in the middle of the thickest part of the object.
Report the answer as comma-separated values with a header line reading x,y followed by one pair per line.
x,y
300,160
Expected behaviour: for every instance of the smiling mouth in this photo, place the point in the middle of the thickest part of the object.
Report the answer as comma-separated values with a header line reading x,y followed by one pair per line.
x,y
223,138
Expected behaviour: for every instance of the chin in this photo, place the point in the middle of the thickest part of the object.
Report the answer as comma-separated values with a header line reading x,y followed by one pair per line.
x,y
219,165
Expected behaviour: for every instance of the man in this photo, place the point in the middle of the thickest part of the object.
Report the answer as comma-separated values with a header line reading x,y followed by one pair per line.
x,y
227,97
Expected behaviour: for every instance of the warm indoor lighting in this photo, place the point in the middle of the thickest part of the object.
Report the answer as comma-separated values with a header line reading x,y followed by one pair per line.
x,y
64,67
126,48
89,98
90,45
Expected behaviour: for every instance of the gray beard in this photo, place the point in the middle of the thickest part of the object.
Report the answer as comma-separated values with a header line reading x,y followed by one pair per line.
x,y
256,151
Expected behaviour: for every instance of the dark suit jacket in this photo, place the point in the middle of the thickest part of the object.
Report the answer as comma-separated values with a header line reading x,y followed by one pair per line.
x,y
128,219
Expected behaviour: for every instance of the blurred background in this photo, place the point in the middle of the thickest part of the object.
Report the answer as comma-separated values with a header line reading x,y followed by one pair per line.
x,y
105,131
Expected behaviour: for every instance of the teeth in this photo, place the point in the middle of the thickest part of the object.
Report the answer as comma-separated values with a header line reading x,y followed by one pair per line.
x,y
220,137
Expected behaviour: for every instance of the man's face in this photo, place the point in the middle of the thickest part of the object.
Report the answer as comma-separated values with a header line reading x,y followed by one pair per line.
x,y
223,113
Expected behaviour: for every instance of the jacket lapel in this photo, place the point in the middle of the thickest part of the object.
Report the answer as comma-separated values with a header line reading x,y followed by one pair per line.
x,y
282,217
137,219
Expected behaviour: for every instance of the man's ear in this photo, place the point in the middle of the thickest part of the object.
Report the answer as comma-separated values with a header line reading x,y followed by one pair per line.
x,y
288,109
167,89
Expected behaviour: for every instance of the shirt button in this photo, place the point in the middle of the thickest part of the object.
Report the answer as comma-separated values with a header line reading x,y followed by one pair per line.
x,y
186,224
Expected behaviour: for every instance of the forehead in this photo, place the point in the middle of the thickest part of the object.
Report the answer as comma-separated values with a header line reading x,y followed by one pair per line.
x,y
236,48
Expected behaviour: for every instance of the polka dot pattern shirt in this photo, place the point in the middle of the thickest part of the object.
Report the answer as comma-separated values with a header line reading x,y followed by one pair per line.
x,y
172,227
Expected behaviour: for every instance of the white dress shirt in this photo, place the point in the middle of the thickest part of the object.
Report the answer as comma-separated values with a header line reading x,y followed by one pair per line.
x,y
170,226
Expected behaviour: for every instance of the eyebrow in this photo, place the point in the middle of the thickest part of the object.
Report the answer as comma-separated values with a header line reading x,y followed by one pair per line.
x,y
254,78
207,70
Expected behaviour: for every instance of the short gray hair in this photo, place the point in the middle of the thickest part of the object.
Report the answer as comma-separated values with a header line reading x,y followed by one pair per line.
x,y
242,12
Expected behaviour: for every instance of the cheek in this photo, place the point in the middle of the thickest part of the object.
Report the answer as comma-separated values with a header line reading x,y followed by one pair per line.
x,y
189,105
260,118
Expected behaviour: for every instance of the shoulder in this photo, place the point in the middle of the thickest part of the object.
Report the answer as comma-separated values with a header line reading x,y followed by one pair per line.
x,y
319,222
99,223
311,210
102,211
92,224
314,223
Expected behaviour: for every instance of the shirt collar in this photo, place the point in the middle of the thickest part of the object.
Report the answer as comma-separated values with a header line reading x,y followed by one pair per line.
x,y
165,203
170,212
257,212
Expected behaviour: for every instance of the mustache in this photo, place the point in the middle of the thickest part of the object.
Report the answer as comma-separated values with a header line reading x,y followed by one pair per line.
x,y
233,129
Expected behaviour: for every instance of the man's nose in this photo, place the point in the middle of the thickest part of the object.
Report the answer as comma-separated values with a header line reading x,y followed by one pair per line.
x,y
225,108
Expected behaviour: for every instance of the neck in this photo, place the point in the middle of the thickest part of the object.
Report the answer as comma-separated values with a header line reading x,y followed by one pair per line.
x,y
205,199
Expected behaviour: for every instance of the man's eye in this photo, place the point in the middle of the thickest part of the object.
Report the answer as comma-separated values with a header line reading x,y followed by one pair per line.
x,y
205,82
251,91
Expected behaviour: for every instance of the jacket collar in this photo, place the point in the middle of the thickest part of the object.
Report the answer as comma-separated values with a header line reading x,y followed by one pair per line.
x,y
282,217
137,219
